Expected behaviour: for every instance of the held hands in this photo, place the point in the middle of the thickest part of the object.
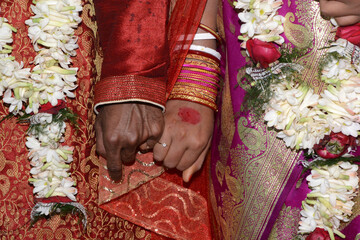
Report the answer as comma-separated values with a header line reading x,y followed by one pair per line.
x,y
345,12
123,128
186,138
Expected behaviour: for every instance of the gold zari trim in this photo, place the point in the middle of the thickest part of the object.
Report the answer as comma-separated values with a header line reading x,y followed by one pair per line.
x,y
195,99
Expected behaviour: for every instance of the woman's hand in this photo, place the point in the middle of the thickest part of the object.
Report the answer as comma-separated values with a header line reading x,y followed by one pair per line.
x,y
345,12
187,135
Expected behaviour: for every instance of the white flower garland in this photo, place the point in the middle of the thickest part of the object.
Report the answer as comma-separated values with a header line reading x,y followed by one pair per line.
x,y
51,31
53,27
304,117
330,201
260,20
13,76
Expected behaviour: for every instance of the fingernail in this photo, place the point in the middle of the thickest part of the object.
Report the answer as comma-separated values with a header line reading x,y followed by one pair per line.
x,y
115,178
190,177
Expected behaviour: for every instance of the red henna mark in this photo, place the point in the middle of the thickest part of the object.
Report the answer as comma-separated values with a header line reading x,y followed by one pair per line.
x,y
189,115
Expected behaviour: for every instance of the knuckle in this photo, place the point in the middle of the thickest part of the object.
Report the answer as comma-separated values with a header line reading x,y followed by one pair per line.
x,y
112,139
156,130
157,156
181,167
114,167
198,143
181,133
130,138
170,164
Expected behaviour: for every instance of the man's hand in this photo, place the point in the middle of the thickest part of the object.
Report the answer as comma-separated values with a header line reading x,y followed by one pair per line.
x,y
187,135
123,128
345,12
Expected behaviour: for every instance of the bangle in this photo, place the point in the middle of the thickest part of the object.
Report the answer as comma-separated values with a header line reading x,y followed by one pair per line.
x,y
198,54
204,36
203,57
211,31
198,81
206,50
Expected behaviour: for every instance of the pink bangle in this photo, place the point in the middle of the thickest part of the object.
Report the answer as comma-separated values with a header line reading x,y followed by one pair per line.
x,y
198,81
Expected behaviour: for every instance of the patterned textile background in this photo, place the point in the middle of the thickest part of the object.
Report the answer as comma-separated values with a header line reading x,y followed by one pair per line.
x,y
16,198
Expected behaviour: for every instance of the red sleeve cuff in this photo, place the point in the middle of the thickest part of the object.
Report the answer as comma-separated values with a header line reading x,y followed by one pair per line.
x,y
130,88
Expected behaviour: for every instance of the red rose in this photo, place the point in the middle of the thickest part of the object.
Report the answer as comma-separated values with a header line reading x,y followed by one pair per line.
x,y
350,33
262,52
334,145
55,199
48,108
318,234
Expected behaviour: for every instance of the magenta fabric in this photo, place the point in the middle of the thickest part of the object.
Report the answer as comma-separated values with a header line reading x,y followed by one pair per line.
x,y
294,188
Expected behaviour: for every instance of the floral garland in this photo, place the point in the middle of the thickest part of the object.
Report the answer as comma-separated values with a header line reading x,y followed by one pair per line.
x,y
303,117
38,97
326,124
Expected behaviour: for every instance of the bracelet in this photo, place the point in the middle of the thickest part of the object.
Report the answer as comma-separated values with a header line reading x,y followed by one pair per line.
x,y
204,36
206,50
211,31
201,68
198,59
204,77
198,81
198,54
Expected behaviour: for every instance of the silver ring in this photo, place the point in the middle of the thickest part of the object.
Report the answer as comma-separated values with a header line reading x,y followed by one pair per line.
x,y
163,144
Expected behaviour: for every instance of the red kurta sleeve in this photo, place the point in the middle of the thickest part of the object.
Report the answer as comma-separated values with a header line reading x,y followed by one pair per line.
x,y
133,38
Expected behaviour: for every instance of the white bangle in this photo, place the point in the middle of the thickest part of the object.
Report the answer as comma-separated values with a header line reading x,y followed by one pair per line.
x,y
204,36
210,51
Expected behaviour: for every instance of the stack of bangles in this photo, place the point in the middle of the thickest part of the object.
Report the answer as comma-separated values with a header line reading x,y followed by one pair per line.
x,y
199,77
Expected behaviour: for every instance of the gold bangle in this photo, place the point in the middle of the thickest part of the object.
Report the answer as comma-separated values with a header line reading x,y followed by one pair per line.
x,y
202,58
204,98
195,86
194,78
188,90
209,104
202,64
200,70
209,30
